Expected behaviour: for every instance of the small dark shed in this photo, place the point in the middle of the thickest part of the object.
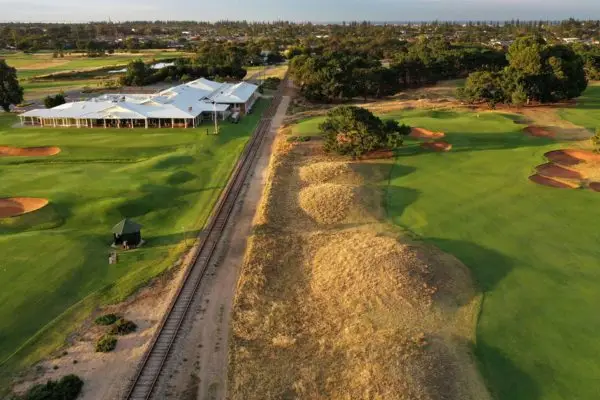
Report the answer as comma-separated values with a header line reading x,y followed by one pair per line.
x,y
127,231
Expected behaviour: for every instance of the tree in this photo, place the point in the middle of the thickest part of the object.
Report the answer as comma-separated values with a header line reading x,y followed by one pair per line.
x,y
483,86
350,130
54,101
137,74
11,93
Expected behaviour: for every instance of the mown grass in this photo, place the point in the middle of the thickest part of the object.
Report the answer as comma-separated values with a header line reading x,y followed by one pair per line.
x,y
533,250
54,266
587,112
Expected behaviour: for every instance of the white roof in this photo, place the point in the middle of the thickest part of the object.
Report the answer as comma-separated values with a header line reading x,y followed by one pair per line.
x,y
184,101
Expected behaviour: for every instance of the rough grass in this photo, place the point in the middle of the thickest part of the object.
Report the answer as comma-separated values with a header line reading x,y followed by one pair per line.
x,y
56,259
351,311
533,249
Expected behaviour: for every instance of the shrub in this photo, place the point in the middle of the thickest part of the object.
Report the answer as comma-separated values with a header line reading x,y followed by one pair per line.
x,y
271,83
67,388
107,343
54,101
123,327
107,319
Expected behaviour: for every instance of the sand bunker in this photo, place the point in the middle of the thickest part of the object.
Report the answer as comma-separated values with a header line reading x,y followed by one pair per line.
x,y
543,180
12,207
595,186
572,156
6,151
437,146
538,131
322,172
552,170
327,203
420,133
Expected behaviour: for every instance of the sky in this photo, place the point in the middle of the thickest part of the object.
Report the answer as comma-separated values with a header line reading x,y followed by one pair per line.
x,y
295,10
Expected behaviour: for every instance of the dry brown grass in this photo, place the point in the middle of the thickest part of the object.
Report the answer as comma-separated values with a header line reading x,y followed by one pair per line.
x,y
330,171
346,311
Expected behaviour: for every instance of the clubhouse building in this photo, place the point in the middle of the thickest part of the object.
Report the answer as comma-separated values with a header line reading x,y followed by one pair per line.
x,y
183,106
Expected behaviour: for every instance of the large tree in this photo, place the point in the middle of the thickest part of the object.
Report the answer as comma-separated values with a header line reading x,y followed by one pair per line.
x,y
11,93
354,131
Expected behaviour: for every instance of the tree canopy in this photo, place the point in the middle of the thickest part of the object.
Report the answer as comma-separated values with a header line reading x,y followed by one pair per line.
x,y
536,72
354,131
11,93
54,101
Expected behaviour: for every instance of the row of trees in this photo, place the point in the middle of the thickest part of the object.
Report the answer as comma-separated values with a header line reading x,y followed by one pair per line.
x,y
342,75
536,72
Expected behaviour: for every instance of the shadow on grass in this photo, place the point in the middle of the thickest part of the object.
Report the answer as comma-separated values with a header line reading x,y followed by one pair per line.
x,y
488,266
503,378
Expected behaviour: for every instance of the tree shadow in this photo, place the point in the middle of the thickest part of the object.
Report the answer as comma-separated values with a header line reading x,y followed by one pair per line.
x,y
174,161
488,266
504,379
180,177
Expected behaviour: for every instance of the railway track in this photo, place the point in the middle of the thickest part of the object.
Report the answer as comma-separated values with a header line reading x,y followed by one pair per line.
x,y
144,383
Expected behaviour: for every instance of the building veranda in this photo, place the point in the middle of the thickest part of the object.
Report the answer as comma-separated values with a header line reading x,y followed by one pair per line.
x,y
183,106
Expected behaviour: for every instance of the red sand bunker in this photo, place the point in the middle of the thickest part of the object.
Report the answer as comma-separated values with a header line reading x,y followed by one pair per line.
x,y
538,131
437,146
420,133
6,151
552,170
543,180
572,156
595,186
11,207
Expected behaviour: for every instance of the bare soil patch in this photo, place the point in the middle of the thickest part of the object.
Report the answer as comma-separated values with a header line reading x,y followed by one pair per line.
x,y
7,151
437,146
552,170
543,180
15,206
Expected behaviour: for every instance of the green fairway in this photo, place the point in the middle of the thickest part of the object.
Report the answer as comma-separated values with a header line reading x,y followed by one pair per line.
x,y
533,250
54,266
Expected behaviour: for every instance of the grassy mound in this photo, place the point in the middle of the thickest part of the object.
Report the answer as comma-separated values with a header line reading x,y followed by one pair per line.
x,y
321,172
327,203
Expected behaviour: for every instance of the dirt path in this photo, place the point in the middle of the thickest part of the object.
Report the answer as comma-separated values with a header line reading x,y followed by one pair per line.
x,y
201,371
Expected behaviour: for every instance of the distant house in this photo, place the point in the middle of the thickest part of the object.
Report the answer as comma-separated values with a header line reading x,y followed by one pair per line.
x,y
183,106
571,40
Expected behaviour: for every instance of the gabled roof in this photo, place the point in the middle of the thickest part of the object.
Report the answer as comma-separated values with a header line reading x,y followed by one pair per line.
x,y
125,227
184,101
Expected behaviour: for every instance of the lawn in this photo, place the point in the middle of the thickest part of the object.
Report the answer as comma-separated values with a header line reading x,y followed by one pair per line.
x,y
533,250
54,263
587,112
34,65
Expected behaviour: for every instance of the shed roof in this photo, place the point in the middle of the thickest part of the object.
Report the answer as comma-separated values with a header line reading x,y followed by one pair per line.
x,y
126,226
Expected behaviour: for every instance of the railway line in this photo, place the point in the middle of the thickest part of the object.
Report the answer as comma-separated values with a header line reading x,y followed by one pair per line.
x,y
144,384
